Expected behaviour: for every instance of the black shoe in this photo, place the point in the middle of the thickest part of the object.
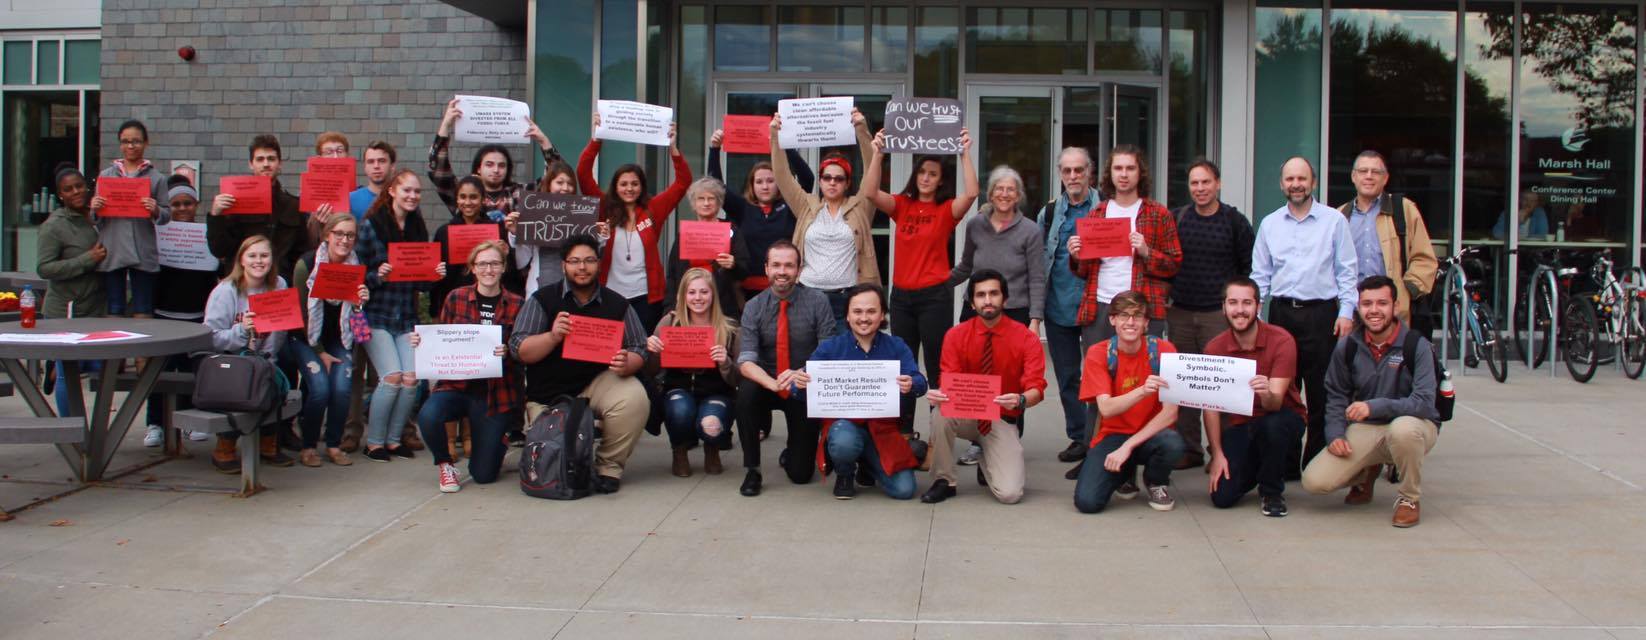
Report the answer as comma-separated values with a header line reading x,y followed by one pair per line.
x,y
1274,506
783,458
1074,474
1072,453
402,452
605,484
751,484
940,491
517,438
981,481
865,478
379,454
843,488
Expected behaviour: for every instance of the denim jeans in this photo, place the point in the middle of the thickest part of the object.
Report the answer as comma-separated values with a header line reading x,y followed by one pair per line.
x,y
837,304
920,317
850,444
486,460
62,390
391,405
1063,343
1096,485
325,392
684,414
1256,451
142,291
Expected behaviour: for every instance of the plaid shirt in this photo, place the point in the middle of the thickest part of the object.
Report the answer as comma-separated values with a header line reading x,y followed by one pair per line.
x,y
1151,276
503,395
445,182
392,306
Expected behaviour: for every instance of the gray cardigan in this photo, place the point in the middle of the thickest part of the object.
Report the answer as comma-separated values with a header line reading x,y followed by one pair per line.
x,y
130,241
1384,385
1014,252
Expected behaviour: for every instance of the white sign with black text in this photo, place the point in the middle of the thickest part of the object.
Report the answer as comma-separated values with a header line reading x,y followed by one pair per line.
x,y
853,389
1216,383
458,351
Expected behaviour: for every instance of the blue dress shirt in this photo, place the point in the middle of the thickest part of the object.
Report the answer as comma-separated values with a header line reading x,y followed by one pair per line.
x,y
1308,259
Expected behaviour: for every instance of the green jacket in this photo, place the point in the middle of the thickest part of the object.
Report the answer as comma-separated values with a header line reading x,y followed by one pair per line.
x,y
66,238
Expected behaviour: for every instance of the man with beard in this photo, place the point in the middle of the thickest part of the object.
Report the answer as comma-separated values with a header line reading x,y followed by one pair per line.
x,y
781,328
284,227
991,344
1304,262
1249,452
1381,407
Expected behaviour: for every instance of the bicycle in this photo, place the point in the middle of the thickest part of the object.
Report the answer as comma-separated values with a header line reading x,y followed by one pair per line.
x,y
1603,325
1534,344
1465,311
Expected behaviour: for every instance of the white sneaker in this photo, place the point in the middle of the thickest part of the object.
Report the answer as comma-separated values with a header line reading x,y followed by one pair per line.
x,y
155,434
971,456
199,436
448,478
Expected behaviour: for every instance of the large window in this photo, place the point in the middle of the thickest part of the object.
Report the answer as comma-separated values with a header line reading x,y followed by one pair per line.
x,y
820,39
1287,100
1189,65
1488,70
49,102
1026,40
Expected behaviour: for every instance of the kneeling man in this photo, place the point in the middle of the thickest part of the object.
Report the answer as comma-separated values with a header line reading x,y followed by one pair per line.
x,y
1249,452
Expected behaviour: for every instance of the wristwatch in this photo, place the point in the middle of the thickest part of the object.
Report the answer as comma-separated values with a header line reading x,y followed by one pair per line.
x,y
1022,401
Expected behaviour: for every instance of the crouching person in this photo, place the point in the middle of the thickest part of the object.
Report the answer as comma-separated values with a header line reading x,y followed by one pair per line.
x,y
490,405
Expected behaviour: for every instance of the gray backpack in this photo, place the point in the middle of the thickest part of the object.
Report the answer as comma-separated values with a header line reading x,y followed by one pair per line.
x,y
558,460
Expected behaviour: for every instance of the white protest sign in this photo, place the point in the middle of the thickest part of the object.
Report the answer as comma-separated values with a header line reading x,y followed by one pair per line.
x,y
855,389
486,119
459,351
815,122
182,245
635,122
1217,383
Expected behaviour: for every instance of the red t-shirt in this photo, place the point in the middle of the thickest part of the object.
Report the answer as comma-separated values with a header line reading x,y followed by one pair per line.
x,y
1276,354
1131,369
925,230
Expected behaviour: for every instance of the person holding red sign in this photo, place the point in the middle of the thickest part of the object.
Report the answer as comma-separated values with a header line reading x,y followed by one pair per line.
x,y
392,312
539,335
991,343
926,213
322,359
133,254
284,228
468,211
234,329
632,265
759,210
490,405
329,144
182,299
707,197
697,403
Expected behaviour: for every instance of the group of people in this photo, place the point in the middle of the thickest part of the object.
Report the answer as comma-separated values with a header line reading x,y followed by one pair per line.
x,y
799,282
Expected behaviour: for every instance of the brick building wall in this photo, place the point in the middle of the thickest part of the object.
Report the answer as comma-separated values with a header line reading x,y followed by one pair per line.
x,y
372,69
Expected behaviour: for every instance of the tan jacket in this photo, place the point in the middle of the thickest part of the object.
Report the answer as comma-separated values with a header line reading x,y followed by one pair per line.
x,y
859,210
1420,267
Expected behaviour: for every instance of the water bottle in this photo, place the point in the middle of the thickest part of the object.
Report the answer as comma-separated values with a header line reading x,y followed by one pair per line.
x,y
1446,385
25,304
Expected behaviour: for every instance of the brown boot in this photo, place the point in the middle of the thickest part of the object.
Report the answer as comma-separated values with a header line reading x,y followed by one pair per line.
x,y
224,458
351,440
711,460
268,448
1406,513
1361,491
682,465
409,438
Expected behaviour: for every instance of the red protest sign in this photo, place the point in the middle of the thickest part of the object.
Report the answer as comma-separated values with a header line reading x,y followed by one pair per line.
x,y
1104,237
414,261
462,238
686,347
253,195
592,340
704,240
971,396
341,167
322,188
747,134
276,311
123,197
334,281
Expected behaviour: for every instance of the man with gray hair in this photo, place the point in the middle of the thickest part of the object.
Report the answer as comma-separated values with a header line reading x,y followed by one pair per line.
x,y
1064,290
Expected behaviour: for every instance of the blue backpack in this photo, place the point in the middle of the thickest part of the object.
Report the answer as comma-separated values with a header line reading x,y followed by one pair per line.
x,y
1154,356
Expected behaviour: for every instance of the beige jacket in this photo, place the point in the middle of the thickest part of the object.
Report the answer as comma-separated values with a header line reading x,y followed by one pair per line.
x,y
1420,266
859,210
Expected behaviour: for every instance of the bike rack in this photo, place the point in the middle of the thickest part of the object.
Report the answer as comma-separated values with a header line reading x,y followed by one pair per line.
x,y
1454,275
1545,273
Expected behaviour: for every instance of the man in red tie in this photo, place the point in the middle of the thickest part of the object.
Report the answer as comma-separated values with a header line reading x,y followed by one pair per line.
x,y
989,344
780,329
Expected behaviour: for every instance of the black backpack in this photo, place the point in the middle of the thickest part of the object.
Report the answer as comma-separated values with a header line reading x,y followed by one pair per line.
x,y
1444,403
558,460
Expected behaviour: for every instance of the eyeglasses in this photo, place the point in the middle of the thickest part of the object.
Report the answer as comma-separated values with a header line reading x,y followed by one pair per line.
x,y
587,262
832,178
1130,317
133,143
344,235
488,264
1369,171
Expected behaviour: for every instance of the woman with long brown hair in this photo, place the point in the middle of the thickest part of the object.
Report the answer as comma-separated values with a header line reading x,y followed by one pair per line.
x,y
697,402
234,329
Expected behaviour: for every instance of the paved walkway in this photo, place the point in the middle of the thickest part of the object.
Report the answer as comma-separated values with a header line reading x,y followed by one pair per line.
x,y
1534,514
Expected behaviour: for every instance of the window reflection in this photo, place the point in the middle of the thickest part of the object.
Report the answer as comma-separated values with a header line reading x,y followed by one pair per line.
x,y
1189,58
936,52
1023,40
889,44
1286,105
1486,161
1126,39
820,39
742,38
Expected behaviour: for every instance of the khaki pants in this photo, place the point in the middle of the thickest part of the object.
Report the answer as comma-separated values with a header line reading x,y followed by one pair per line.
x,y
620,403
1002,461
1402,442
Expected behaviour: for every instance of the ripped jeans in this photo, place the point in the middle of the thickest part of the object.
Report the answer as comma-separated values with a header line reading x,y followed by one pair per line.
x,y
685,415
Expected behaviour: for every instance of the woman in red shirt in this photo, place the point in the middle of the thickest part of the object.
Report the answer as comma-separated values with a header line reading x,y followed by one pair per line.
x,y
926,213
631,264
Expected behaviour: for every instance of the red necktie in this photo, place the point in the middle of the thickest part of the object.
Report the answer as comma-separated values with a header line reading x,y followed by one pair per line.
x,y
783,343
987,368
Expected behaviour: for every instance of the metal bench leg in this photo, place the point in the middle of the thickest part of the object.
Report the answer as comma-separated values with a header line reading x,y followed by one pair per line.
x,y
173,436
249,486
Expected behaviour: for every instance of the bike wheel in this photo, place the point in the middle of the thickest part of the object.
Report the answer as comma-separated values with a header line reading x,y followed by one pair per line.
x,y
1633,350
1580,338
1543,297
1491,345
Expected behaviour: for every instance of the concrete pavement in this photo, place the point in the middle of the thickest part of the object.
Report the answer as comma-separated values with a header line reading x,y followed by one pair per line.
x,y
1533,514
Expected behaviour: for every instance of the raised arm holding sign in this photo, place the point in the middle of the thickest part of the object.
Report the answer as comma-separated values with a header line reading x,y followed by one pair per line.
x,y
548,219
816,122
497,120
924,125
637,122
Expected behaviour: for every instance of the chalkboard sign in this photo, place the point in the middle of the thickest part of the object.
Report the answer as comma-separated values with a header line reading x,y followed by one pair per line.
x,y
549,219
924,125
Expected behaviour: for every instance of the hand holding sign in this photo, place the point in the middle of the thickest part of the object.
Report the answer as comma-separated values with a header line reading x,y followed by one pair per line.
x,y
592,340
276,310
970,396
686,347
253,195
924,125
336,281
700,240
414,262
815,122
1215,383
486,119
123,197
636,122
852,389
458,351
462,239
747,134
548,219
1104,237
